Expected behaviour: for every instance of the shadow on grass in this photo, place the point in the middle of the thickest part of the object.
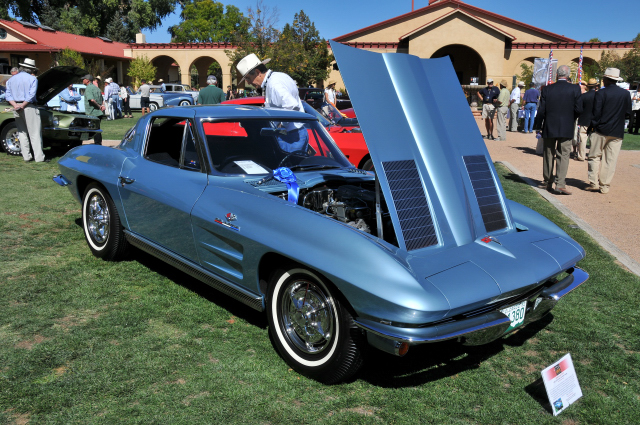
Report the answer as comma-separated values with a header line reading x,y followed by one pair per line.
x,y
200,288
432,362
537,391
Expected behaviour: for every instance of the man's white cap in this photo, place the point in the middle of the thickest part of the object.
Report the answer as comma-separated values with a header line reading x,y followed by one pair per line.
x,y
108,80
489,80
248,64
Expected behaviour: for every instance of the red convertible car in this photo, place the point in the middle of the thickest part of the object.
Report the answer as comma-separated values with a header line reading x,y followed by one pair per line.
x,y
349,139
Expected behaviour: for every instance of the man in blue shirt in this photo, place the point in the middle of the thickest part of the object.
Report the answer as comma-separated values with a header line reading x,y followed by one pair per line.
x,y
530,101
70,100
21,94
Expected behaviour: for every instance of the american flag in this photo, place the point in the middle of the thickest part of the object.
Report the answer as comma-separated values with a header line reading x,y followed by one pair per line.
x,y
550,73
580,67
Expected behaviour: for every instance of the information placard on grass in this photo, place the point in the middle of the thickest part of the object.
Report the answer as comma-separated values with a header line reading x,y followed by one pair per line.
x,y
561,383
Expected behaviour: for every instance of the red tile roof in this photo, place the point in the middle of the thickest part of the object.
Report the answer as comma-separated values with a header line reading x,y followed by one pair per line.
x,y
476,11
55,41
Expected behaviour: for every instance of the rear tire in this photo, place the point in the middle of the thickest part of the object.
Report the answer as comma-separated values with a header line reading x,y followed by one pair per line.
x,y
153,106
310,328
9,139
101,223
185,103
368,165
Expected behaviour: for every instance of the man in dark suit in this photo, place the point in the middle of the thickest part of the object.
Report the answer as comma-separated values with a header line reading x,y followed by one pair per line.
x,y
586,101
611,106
556,118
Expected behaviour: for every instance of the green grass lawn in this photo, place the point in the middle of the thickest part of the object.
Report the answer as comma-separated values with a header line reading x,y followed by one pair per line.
x,y
631,142
116,129
87,341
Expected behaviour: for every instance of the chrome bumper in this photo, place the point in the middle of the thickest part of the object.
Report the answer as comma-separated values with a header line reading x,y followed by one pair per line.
x,y
475,330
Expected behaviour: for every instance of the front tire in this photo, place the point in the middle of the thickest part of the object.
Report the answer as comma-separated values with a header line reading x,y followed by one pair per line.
x,y
9,139
101,223
310,328
153,106
185,103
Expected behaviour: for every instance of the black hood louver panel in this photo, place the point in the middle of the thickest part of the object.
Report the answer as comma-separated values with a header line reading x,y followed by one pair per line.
x,y
486,191
411,204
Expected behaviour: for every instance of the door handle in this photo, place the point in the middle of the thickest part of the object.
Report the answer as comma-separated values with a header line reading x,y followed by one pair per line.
x,y
125,180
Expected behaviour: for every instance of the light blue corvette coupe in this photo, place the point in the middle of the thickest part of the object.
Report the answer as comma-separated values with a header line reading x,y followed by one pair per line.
x,y
260,204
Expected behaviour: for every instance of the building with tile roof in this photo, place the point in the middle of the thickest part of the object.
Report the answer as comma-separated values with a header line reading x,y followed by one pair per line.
x,y
20,40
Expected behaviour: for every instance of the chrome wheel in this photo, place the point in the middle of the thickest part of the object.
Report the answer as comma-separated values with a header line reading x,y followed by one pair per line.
x,y
10,141
98,218
185,103
307,316
313,332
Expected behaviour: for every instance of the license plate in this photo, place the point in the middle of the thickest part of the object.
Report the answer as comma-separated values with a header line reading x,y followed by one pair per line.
x,y
516,314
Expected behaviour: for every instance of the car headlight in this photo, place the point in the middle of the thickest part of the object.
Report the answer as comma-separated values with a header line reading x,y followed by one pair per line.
x,y
56,121
91,124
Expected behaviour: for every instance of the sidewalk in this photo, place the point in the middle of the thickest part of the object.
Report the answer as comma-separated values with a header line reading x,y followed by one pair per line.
x,y
612,219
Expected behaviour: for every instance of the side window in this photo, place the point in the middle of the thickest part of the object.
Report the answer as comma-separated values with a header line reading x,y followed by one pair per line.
x,y
190,158
164,141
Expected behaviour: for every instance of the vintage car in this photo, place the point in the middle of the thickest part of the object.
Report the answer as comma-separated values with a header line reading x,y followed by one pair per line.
x,y
159,100
311,94
182,88
262,205
54,103
349,139
59,129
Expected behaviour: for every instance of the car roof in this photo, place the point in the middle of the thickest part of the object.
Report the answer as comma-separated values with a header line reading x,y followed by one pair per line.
x,y
235,112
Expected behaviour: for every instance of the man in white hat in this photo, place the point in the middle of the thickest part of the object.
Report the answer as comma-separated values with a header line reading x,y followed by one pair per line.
x,y
489,96
21,94
610,107
514,105
163,87
280,91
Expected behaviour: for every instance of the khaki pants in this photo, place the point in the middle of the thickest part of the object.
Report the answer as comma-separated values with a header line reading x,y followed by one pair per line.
x,y
603,156
582,143
514,116
556,152
501,123
29,129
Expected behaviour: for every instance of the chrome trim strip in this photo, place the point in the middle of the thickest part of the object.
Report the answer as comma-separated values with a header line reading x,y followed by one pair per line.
x,y
223,285
75,129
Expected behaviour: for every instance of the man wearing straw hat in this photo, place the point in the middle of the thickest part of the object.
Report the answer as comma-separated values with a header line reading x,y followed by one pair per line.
x,y
280,91
611,106
21,94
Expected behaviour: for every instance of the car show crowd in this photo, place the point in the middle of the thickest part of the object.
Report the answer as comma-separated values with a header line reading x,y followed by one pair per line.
x,y
566,117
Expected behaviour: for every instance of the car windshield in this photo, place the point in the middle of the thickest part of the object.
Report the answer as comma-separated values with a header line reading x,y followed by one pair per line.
x,y
259,146
309,110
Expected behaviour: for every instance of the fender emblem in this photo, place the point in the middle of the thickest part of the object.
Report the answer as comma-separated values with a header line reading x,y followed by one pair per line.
x,y
488,239
228,218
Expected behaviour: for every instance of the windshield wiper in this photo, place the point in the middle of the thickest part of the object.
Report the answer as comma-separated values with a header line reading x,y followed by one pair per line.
x,y
312,167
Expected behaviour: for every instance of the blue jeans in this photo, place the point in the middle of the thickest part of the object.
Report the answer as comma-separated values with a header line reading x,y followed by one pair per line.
x,y
529,116
294,141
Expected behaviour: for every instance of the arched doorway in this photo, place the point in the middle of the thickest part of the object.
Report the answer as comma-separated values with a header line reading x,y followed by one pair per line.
x,y
203,67
167,69
466,62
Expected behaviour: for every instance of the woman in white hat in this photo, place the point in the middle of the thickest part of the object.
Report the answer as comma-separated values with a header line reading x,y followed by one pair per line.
x,y
280,91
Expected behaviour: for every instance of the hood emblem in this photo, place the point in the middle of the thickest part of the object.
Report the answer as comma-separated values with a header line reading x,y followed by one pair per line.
x,y
228,218
488,239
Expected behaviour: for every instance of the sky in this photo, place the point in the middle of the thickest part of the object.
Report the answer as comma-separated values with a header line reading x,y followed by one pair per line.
x,y
580,20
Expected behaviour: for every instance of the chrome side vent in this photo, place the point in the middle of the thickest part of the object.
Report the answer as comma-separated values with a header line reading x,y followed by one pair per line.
x,y
411,204
486,192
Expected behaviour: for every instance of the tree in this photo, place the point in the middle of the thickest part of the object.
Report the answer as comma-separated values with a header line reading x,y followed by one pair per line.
x,y
630,66
526,74
207,21
594,40
141,69
261,35
69,57
119,20
301,52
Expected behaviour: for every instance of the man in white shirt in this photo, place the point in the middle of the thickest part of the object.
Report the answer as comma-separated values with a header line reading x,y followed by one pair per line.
x,y
280,91
514,105
330,97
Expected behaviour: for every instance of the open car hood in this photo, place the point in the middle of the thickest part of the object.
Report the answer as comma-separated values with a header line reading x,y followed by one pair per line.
x,y
434,169
53,80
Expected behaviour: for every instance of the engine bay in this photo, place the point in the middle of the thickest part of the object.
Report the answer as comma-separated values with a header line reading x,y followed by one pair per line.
x,y
352,204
